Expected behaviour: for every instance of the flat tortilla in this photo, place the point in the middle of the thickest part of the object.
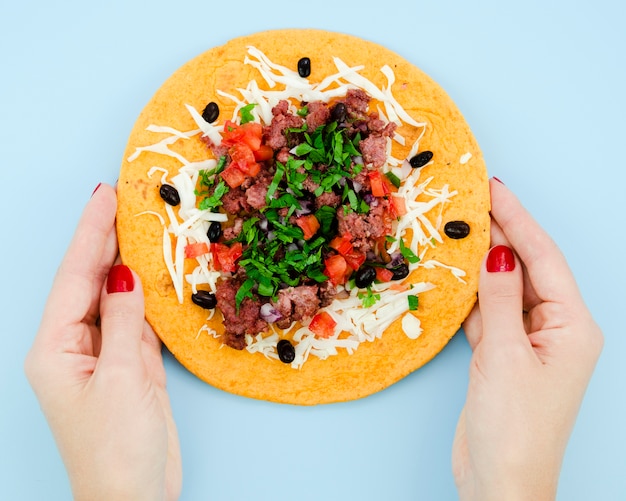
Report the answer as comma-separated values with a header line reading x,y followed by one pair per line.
x,y
457,162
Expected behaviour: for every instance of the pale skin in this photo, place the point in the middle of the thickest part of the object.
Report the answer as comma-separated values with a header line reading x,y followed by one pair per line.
x,y
97,369
535,346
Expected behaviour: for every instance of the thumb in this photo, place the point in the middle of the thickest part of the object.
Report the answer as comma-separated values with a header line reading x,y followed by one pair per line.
x,y
121,317
500,296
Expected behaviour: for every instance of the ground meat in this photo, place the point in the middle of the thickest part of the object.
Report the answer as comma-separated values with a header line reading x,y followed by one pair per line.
x,y
283,155
233,231
240,322
365,228
329,198
327,293
318,114
357,102
235,201
274,134
297,303
255,194
374,150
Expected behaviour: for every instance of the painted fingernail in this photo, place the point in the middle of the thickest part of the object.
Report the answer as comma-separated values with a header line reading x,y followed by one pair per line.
x,y
500,258
500,181
96,189
120,279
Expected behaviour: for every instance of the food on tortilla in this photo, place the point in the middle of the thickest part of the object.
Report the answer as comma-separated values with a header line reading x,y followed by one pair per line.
x,y
308,213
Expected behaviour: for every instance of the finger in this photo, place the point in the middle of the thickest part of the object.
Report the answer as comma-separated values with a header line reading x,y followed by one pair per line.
x,y
500,295
76,289
473,327
548,271
121,318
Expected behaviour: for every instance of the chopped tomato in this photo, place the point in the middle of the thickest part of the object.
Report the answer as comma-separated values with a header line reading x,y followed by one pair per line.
x,y
384,275
250,134
322,325
336,269
342,244
233,176
354,259
308,224
264,152
397,208
225,257
379,187
196,249
241,155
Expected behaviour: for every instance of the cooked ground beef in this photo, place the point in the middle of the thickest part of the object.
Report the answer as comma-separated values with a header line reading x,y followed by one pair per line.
x,y
238,323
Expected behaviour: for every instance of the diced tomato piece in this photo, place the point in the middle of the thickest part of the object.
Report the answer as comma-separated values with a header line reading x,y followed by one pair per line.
x,y
336,269
242,155
232,134
196,249
342,244
251,170
250,134
379,187
397,207
354,259
264,152
323,325
308,224
225,257
253,134
384,275
233,176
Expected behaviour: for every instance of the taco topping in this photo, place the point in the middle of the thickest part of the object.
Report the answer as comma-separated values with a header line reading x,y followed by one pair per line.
x,y
300,218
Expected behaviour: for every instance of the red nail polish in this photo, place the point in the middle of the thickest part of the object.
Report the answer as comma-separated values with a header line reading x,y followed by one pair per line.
x,y
96,189
498,180
500,258
120,279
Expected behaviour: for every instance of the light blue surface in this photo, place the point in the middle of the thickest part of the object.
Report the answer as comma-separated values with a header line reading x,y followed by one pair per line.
x,y
542,85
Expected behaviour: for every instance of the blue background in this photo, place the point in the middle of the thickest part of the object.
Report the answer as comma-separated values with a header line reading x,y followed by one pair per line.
x,y
542,85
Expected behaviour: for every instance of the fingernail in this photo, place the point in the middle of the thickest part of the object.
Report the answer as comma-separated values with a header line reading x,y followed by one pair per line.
x,y
498,180
96,189
500,258
120,279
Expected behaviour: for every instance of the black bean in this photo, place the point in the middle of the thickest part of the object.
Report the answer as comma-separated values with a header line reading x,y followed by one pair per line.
x,y
456,229
304,67
421,159
338,113
211,112
205,299
169,194
364,276
286,351
215,231
400,272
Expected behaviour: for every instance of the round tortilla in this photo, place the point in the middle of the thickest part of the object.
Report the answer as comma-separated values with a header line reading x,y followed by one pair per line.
x,y
374,365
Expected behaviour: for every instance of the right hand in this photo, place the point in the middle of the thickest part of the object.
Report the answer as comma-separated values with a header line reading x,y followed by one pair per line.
x,y
535,346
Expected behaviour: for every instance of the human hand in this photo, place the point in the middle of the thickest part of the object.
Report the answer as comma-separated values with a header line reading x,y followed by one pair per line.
x,y
97,370
534,346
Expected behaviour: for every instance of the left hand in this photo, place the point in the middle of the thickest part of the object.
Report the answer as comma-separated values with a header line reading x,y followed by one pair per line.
x,y
97,370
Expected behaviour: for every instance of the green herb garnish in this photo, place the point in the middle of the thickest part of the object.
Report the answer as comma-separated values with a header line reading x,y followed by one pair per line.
x,y
246,113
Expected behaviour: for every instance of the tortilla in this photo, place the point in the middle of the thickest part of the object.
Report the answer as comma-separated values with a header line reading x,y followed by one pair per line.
x,y
457,162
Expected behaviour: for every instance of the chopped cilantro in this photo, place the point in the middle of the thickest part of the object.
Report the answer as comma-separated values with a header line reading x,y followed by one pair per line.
x,y
408,254
368,298
395,180
246,113
214,200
